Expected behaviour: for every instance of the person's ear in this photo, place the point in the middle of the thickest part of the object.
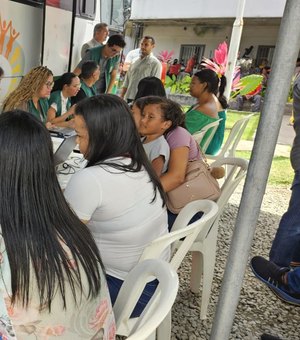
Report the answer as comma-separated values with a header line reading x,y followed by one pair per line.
x,y
167,124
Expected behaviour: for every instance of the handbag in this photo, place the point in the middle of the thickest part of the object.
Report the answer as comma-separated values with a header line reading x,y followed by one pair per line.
x,y
198,184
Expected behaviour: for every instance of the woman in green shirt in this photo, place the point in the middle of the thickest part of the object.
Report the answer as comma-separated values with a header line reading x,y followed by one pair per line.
x,y
60,111
208,88
32,93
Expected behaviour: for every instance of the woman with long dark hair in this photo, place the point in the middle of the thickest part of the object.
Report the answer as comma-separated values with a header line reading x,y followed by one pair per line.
x,y
60,111
118,194
208,88
150,86
52,281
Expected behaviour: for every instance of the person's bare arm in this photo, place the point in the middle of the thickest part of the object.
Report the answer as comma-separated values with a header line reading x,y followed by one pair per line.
x,y
113,77
123,91
176,169
158,164
61,120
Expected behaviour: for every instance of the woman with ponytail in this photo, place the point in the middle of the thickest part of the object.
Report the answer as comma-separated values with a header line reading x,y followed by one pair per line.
x,y
208,88
60,111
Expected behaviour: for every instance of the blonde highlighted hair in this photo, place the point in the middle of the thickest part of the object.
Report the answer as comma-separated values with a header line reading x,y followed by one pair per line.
x,y
28,87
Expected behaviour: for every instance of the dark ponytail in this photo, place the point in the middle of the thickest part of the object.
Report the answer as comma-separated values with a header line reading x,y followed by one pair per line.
x,y
65,79
221,97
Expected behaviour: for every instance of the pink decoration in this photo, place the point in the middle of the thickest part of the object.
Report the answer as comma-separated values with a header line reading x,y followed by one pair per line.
x,y
165,56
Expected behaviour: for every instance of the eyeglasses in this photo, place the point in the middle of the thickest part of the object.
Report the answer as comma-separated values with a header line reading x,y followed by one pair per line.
x,y
114,50
50,84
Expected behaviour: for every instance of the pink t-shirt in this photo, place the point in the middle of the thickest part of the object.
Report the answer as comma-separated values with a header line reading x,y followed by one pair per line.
x,y
180,137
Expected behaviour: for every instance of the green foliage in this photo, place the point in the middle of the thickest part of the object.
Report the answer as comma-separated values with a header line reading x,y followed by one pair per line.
x,y
181,86
248,84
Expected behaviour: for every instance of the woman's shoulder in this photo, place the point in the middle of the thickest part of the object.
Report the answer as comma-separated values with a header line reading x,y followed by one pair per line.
x,y
178,136
208,110
178,131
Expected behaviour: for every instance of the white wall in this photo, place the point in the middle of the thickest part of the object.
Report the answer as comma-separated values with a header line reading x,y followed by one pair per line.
x,y
172,37
158,9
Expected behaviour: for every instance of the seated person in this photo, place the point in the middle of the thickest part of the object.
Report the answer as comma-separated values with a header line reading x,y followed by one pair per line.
x,y
255,96
52,278
32,93
90,73
150,86
152,127
208,88
60,111
117,194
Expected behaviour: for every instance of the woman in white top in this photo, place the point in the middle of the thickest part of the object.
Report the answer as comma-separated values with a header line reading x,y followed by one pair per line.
x,y
52,283
118,194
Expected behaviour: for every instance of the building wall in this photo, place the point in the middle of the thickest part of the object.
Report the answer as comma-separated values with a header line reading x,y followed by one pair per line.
x,y
172,37
157,9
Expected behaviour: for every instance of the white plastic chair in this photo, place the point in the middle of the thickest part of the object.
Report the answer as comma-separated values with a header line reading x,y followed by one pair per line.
x,y
204,247
180,248
229,147
199,135
157,308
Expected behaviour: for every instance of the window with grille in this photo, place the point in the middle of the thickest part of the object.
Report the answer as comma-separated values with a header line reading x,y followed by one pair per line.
x,y
187,51
264,55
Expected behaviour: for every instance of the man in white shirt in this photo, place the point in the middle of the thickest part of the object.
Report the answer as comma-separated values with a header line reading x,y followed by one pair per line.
x,y
100,35
146,65
131,57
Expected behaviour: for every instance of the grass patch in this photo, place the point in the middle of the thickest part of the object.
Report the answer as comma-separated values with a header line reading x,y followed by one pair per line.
x,y
281,173
233,116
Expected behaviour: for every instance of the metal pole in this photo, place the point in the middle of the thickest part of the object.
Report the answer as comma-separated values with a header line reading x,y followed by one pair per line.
x,y
234,45
286,52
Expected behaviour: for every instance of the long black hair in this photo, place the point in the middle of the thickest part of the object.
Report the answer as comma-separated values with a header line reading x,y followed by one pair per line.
x,y
215,84
112,133
65,79
36,221
150,86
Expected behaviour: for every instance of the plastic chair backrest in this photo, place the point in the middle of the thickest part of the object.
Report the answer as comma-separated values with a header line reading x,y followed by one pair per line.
x,y
237,171
199,135
181,229
159,305
234,137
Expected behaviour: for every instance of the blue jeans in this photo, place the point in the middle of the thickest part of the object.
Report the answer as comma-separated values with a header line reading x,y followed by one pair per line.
x,y
286,245
114,286
294,281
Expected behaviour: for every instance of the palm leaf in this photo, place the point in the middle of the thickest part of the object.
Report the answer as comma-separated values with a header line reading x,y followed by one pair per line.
x,y
249,83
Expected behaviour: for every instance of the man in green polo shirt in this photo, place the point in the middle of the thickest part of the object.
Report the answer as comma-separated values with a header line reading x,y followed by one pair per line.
x,y
107,57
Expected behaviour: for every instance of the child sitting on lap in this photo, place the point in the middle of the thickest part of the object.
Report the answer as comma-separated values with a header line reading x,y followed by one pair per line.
x,y
152,126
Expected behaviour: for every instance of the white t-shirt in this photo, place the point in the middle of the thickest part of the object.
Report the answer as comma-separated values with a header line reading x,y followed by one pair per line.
x,y
64,102
121,216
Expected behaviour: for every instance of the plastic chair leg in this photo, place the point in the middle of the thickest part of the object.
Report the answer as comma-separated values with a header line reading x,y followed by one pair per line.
x,y
209,259
163,331
197,271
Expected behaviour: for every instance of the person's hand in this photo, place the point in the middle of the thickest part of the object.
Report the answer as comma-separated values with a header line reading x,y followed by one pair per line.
x,y
50,126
